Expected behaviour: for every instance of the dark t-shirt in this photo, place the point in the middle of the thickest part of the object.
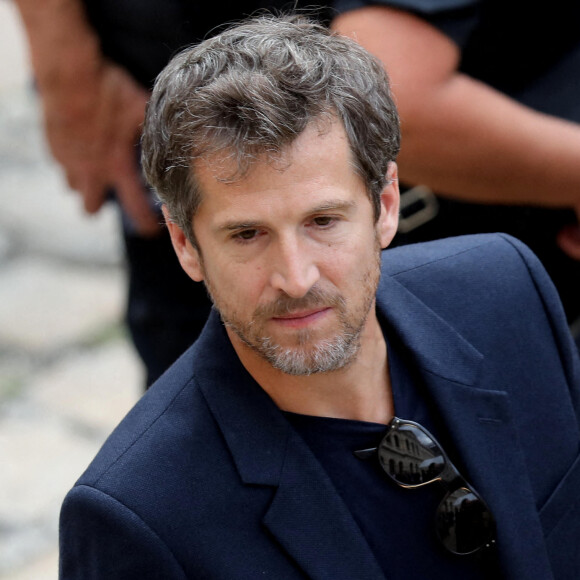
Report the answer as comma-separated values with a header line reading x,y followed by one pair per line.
x,y
397,523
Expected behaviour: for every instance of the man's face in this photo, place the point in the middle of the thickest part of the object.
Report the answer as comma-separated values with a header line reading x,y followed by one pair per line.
x,y
290,253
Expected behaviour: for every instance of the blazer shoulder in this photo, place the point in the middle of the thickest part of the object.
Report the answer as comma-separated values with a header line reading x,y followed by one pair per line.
x,y
493,269
145,418
403,259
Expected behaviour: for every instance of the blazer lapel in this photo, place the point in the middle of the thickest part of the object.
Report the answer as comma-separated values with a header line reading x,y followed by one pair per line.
x,y
307,516
480,424
311,521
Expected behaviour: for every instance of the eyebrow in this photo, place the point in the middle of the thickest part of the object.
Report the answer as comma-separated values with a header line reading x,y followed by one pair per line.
x,y
230,227
330,205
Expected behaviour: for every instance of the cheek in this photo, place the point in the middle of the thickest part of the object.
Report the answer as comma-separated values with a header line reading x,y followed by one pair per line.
x,y
240,286
345,269
351,260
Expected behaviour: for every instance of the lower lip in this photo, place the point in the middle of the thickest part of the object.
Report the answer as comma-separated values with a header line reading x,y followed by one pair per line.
x,y
301,321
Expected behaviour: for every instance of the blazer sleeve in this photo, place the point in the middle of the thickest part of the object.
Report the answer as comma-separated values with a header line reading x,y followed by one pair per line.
x,y
100,538
560,514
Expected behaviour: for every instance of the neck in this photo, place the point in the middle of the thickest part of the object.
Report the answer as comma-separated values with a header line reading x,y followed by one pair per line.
x,y
360,391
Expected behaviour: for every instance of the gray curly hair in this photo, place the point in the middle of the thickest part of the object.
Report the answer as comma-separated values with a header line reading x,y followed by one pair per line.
x,y
250,91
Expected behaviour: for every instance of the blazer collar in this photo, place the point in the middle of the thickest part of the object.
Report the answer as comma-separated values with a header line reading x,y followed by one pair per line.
x,y
436,346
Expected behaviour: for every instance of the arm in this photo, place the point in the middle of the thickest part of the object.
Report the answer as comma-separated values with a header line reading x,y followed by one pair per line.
x,y
460,136
93,109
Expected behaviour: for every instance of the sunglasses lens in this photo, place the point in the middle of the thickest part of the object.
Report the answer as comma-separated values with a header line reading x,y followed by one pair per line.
x,y
410,456
464,523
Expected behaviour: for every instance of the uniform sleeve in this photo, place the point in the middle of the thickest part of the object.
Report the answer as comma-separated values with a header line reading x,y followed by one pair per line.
x,y
456,19
100,538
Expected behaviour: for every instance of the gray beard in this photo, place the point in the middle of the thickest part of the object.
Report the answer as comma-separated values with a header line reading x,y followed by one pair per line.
x,y
326,356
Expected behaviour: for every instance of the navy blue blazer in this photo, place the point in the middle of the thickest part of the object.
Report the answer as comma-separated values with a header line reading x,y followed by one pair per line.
x,y
205,478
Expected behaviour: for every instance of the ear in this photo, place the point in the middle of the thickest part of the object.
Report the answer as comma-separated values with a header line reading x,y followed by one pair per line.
x,y
187,254
389,218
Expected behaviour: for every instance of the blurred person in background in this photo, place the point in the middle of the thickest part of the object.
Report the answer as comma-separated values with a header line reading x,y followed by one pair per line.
x,y
489,97
94,63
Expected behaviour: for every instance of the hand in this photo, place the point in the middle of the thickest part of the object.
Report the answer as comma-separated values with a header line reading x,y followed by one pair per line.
x,y
569,238
92,128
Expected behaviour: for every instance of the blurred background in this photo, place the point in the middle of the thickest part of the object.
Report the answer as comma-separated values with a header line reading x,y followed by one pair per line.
x,y
67,371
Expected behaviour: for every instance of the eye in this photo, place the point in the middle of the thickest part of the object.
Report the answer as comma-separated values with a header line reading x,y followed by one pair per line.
x,y
324,221
246,235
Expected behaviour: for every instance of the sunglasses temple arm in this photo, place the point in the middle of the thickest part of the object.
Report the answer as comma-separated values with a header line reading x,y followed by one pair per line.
x,y
366,453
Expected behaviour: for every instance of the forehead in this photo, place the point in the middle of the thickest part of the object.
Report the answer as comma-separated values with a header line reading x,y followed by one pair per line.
x,y
318,161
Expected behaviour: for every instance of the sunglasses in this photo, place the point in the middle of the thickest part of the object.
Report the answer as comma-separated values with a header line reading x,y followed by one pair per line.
x,y
412,458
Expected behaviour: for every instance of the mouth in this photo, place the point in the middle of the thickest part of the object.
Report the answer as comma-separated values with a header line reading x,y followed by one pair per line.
x,y
301,318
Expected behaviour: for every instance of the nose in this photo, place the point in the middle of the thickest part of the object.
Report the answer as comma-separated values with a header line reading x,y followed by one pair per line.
x,y
293,270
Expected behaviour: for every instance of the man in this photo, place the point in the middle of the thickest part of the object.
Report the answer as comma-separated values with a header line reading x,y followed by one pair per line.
x,y
491,120
270,449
